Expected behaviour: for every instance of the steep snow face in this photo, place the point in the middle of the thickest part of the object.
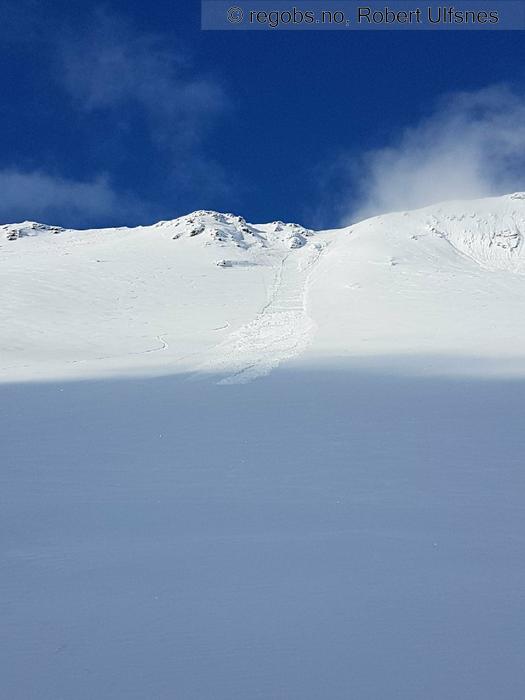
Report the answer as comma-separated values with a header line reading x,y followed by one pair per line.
x,y
492,235
217,228
435,285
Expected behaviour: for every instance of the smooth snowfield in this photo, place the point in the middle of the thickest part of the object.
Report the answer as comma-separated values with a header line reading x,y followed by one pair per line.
x,y
309,535
253,461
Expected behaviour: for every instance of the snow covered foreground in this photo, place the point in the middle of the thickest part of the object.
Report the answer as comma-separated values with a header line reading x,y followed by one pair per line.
x,y
349,525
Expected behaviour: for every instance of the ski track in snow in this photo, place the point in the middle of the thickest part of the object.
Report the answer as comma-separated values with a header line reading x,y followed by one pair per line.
x,y
164,345
280,331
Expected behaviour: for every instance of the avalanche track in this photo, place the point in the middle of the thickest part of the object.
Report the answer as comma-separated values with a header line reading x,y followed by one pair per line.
x,y
280,331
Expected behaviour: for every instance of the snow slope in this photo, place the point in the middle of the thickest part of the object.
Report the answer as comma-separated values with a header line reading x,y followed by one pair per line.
x,y
443,283
348,525
82,303
211,293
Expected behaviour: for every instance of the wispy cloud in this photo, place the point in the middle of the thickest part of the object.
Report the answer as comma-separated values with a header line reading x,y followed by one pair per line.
x,y
39,196
471,145
128,87
114,66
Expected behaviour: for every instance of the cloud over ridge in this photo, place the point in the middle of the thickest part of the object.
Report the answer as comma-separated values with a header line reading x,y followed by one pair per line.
x,y
472,145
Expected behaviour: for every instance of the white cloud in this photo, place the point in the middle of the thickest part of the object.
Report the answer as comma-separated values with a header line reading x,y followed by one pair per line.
x,y
37,195
114,66
472,145
147,88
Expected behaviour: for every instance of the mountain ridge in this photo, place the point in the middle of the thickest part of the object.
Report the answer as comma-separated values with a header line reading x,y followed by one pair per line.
x,y
217,295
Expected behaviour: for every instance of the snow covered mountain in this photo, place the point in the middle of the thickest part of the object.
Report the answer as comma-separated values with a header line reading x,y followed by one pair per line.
x,y
434,286
350,525
209,292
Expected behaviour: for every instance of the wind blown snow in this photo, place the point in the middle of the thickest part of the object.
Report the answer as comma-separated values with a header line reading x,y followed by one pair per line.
x,y
471,146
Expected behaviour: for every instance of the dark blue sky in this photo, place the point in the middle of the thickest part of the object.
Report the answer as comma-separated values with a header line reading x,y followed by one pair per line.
x,y
126,112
